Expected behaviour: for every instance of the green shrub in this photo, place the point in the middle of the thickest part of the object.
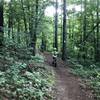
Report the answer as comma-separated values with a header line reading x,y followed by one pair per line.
x,y
38,58
18,83
92,73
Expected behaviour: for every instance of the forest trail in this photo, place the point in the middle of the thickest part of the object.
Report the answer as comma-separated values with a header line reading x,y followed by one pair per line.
x,y
67,85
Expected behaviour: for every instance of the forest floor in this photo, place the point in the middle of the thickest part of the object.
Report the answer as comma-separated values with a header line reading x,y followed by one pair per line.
x,y
68,86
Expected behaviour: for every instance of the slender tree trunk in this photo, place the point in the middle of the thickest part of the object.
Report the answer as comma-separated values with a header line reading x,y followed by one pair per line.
x,y
84,28
34,39
10,19
56,26
24,16
18,32
81,36
43,44
25,22
64,54
29,17
30,21
13,35
61,28
61,36
97,51
73,31
1,23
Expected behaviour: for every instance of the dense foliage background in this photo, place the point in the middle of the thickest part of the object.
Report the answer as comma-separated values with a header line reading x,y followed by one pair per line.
x,y
74,30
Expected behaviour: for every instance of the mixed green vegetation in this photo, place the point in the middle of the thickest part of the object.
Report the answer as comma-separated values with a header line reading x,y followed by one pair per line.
x,y
90,74
26,28
24,77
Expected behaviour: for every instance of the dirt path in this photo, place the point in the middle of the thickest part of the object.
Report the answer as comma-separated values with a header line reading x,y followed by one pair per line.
x,y
67,85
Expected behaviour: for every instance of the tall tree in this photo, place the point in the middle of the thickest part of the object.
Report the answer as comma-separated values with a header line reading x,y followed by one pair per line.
x,y
10,19
1,22
43,44
97,54
34,38
84,28
64,54
24,15
25,21
56,26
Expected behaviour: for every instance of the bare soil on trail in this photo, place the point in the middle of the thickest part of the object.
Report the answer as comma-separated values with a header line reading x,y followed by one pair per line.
x,y
68,86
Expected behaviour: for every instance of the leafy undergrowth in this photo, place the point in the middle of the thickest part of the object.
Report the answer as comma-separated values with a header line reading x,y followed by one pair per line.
x,y
24,77
91,74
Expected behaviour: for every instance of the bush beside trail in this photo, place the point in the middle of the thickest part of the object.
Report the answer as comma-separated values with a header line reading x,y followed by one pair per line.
x,y
23,76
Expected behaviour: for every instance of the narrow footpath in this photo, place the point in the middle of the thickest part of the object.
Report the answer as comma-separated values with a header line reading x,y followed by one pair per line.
x,y
67,85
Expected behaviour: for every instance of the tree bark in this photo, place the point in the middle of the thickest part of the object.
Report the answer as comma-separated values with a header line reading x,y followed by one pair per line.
x,y
84,28
64,54
10,19
56,26
34,38
1,23
97,51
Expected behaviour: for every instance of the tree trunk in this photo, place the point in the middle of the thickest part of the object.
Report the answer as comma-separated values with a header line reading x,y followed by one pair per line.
x,y
1,23
34,38
84,29
18,32
43,44
64,54
25,22
56,26
10,19
97,51
24,16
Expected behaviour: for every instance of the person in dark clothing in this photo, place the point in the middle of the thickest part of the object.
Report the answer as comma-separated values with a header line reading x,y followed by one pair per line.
x,y
54,53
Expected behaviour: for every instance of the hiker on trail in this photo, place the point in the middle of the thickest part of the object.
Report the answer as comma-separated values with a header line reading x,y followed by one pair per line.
x,y
42,48
54,53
